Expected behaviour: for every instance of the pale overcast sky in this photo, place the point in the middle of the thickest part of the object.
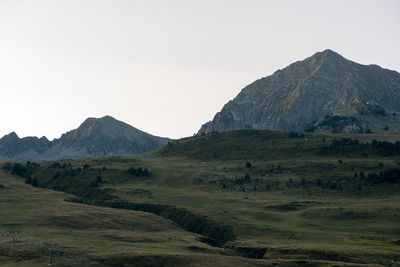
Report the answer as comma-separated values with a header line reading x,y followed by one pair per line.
x,y
167,66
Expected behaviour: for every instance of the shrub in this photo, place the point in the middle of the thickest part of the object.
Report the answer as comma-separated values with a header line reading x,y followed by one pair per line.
x,y
86,166
34,183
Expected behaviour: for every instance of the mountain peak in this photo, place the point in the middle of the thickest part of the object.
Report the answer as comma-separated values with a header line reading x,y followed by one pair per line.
x,y
328,56
329,52
11,135
109,136
106,119
103,136
307,91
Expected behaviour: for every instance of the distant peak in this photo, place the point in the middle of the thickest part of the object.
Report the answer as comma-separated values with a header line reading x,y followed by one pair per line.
x,y
329,54
107,117
44,139
12,135
329,51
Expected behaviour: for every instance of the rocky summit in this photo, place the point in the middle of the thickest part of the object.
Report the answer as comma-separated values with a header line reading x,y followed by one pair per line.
x,y
95,137
324,92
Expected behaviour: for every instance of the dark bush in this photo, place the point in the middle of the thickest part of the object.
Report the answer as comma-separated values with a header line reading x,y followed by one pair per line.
x,y
34,183
86,166
138,171
55,165
28,180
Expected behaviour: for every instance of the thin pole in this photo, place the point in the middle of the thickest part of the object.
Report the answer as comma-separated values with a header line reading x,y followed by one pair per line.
x,y
51,255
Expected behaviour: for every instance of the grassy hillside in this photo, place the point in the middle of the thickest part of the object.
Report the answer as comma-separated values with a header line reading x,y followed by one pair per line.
x,y
237,198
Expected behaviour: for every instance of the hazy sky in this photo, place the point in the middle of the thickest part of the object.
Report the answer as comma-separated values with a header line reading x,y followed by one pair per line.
x,y
167,66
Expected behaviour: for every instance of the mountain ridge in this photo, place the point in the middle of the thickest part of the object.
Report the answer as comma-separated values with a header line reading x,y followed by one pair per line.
x,y
305,92
95,137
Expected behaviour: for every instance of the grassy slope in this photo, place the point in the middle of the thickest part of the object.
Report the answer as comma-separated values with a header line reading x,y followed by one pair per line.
x,y
94,233
294,222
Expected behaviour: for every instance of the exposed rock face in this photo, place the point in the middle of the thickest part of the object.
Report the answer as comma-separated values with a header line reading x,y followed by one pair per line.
x,y
306,91
11,145
94,137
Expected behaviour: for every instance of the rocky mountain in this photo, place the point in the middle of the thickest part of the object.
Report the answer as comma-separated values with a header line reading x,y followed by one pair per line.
x,y
104,136
324,92
11,145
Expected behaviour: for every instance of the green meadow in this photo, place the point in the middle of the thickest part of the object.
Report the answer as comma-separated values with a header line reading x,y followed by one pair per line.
x,y
241,198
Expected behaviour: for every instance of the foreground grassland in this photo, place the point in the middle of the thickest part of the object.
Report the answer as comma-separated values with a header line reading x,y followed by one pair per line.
x,y
254,198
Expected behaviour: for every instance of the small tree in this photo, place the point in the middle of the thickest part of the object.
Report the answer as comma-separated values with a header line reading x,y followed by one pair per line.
x,y
28,180
34,183
86,166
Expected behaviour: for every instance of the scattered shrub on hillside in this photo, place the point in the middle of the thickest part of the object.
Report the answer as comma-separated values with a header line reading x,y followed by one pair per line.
x,y
248,165
386,148
390,176
331,185
64,166
28,180
294,135
34,182
55,165
20,169
1,186
138,171
86,166
96,182
32,164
